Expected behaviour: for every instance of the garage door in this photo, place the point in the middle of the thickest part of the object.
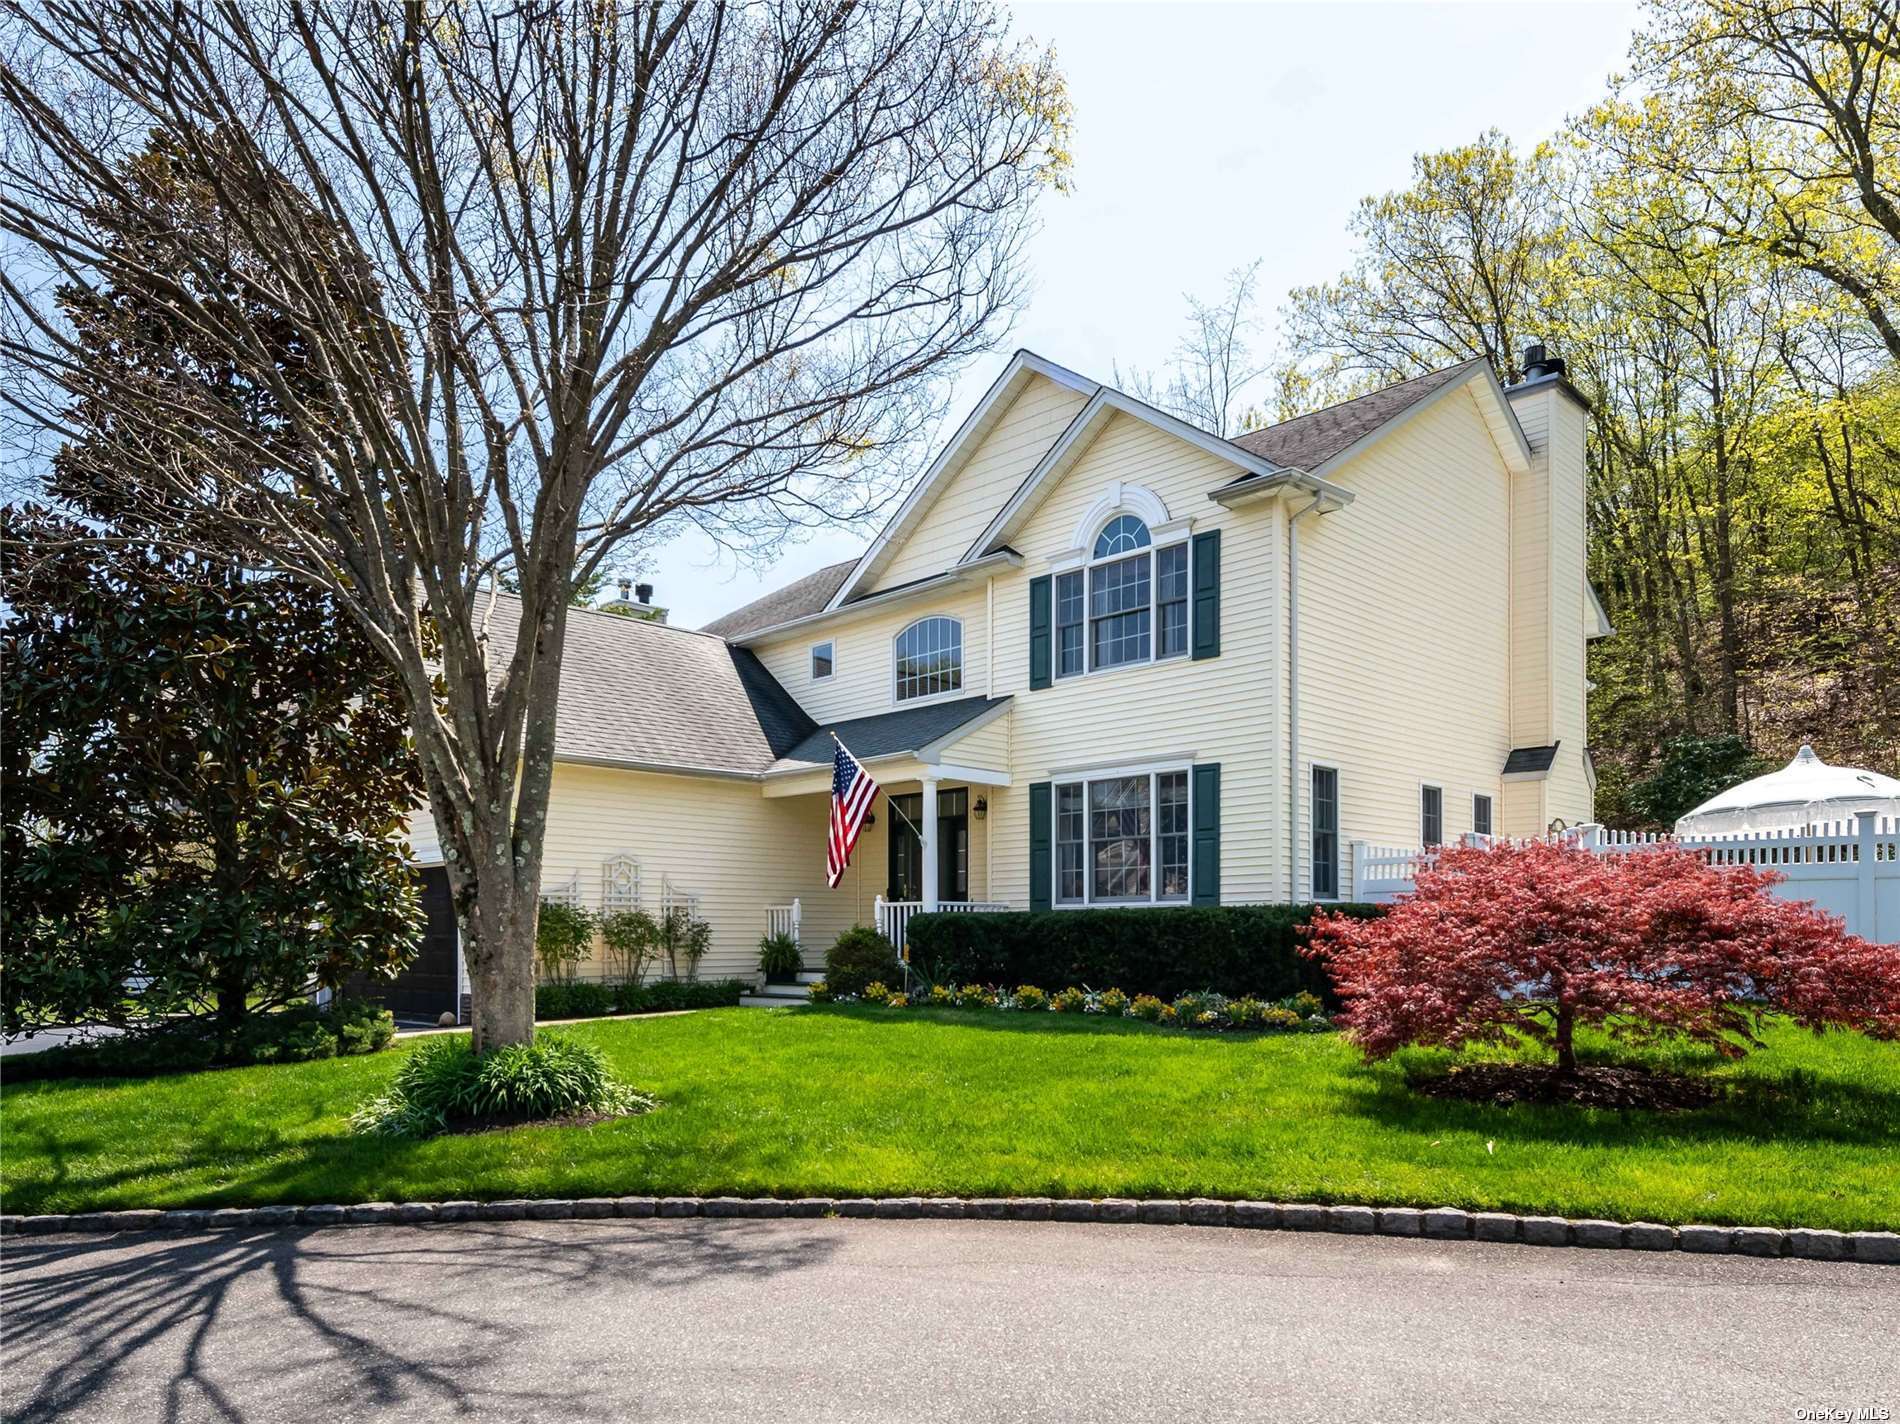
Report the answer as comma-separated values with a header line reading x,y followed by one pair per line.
x,y
426,989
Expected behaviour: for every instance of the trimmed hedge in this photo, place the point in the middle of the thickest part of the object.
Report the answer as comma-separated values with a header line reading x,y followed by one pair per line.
x,y
1240,950
584,1000
296,1034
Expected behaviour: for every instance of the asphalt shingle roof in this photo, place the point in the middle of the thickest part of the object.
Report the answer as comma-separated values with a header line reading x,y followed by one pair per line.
x,y
796,600
655,695
1309,441
891,733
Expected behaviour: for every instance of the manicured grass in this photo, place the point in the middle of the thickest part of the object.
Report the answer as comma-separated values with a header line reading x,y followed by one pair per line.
x,y
844,1101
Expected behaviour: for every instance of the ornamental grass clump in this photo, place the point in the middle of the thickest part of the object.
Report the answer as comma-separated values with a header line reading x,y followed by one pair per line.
x,y
444,1086
1538,940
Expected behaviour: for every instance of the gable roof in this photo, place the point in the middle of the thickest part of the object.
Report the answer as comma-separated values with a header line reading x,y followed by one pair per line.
x,y
799,599
887,734
1295,453
1323,437
1023,367
649,695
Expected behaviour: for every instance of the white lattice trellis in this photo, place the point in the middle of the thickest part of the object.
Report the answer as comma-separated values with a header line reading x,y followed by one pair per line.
x,y
566,893
619,883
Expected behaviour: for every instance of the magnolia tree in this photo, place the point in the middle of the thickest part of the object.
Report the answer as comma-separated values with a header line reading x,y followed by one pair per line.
x,y
517,284
1543,938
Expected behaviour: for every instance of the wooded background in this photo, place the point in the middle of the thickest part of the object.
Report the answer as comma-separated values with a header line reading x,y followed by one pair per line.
x,y
1715,250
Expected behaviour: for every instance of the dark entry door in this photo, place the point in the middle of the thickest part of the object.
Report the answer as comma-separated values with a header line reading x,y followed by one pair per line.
x,y
907,847
426,989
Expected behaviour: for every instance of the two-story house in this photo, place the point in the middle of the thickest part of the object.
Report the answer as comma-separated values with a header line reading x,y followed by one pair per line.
x,y
1102,657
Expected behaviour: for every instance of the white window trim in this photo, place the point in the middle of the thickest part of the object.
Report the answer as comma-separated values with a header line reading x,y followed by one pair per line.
x,y
830,645
1339,833
1151,770
1174,533
1476,797
962,687
1423,787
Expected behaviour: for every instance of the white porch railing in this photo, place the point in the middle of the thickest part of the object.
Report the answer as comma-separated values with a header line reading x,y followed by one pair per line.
x,y
893,916
1848,868
783,920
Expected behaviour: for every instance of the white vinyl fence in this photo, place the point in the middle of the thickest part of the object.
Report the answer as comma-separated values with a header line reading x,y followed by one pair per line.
x,y
1848,868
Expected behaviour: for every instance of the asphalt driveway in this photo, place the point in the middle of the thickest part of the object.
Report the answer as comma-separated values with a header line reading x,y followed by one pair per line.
x,y
917,1320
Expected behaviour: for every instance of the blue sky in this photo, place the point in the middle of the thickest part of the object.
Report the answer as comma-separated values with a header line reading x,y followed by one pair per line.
x,y
1209,135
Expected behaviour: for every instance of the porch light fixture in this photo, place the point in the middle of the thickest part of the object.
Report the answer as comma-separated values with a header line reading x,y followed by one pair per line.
x,y
870,819
982,808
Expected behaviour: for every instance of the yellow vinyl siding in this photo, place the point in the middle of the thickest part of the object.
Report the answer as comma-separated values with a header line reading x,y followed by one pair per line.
x,y
987,747
1218,710
1405,632
861,683
965,502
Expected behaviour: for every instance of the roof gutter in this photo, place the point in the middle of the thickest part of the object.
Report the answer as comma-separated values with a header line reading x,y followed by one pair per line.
x,y
1327,496
962,573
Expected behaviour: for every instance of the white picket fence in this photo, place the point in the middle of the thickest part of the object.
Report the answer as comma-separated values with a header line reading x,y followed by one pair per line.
x,y
1848,868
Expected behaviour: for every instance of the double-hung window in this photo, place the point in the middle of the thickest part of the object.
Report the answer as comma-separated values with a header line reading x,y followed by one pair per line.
x,y
1325,833
1127,604
1122,840
1481,814
1431,815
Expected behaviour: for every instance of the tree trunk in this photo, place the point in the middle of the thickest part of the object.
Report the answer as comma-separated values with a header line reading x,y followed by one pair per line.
x,y
493,851
1566,1041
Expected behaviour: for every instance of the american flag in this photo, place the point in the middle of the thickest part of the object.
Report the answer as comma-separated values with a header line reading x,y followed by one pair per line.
x,y
852,793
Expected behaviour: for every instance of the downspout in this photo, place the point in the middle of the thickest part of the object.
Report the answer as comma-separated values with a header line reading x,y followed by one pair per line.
x,y
1293,696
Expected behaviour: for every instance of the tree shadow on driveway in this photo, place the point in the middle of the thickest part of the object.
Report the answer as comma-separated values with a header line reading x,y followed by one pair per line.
x,y
350,1323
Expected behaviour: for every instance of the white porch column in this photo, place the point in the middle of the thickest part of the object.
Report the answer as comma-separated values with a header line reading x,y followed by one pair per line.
x,y
928,831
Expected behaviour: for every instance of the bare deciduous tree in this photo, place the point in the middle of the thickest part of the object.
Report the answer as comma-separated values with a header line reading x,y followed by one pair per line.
x,y
564,270
1215,364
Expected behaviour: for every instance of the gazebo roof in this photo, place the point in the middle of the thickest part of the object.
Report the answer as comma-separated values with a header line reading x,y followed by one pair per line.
x,y
1806,790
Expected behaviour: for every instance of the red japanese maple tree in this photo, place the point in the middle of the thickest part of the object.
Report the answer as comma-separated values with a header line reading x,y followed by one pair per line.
x,y
1646,944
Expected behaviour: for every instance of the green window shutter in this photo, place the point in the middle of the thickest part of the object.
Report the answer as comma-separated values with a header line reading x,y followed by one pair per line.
x,y
1039,636
1206,638
1206,863
1041,835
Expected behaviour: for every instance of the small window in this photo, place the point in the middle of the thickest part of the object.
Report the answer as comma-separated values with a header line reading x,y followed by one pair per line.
x,y
929,658
1069,624
820,661
1431,815
1071,845
1325,833
1481,815
1171,601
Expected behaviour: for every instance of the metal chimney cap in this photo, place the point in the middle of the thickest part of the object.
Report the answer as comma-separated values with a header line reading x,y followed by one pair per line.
x,y
644,591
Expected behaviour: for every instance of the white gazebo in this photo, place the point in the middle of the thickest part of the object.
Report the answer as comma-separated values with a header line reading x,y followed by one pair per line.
x,y
1805,793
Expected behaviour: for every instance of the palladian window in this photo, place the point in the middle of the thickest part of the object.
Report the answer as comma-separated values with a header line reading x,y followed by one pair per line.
x,y
1129,604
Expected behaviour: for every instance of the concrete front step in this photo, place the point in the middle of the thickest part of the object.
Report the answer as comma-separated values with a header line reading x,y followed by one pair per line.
x,y
807,976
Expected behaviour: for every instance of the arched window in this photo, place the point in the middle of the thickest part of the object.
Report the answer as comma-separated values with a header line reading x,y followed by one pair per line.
x,y
1129,604
1121,535
929,658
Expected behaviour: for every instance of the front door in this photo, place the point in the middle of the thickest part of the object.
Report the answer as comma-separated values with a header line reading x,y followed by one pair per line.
x,y
907,846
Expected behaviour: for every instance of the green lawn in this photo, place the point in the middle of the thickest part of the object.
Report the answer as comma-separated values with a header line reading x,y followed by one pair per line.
x,y
860,1102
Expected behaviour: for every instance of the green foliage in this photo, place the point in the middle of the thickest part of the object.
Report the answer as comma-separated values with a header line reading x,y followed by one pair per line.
x,y
443,1084
208,777
1246,949
821,993
563,934
1028,999
1112,1002
976,996
584,1000
684,939
779,959
876,992
632,942
298,1034
1689,772
940,996
1069,1001
862,956
1147,1008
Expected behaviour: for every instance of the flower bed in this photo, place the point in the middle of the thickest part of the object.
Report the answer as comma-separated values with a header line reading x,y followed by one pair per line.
x,y
1205,1011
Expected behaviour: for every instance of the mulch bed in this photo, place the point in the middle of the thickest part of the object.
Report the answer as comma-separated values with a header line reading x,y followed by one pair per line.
x,y
1591,1086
